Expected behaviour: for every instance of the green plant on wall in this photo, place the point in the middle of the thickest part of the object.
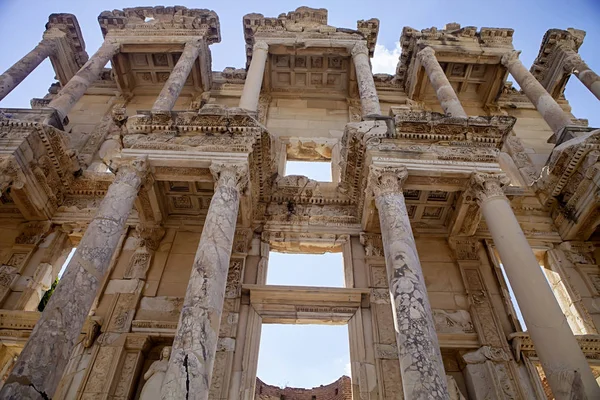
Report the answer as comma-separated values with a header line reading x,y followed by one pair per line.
x,y
47,295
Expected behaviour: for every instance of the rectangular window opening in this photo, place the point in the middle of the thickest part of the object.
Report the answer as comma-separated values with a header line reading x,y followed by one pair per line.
x,y
317,170
303,361
321,270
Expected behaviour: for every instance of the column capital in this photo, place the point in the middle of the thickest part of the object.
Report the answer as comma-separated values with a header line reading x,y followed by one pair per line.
x,y
260,45
138,165
359,48
571,61
510,58
150,235
385,180
427,52
10,174
485,186
234,175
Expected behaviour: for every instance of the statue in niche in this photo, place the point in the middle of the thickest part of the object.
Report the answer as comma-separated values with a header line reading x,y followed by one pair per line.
x,y
155,375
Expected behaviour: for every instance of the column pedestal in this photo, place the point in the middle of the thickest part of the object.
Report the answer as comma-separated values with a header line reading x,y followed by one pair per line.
x,y
421,364
574,64
552,113
564,364
22,68
254,77
77,86
193,355
443,90
369,100
46,354
172,88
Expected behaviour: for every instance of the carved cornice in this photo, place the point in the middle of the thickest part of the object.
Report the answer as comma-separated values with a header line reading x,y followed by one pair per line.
x,y
68,24
386,180
485,186
523,345
163,21
211,118
431,127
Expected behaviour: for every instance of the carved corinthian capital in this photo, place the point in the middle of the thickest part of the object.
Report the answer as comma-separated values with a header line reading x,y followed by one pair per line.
x,y
360,48
385,180
572,61
484,186
425,54
230,175
510,58
10,174
260,45
138,165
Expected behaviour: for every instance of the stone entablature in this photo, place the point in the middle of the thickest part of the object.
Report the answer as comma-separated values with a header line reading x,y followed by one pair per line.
x,y
161,21
551,67
306,23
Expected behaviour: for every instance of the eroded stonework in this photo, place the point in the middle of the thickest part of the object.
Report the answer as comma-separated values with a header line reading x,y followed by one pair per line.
x,y
163,184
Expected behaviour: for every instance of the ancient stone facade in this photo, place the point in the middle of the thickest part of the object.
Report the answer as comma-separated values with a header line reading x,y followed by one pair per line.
x,y
169,181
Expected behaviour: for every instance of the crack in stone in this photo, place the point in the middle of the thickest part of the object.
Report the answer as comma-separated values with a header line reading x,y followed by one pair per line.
x,y
187,377
43,394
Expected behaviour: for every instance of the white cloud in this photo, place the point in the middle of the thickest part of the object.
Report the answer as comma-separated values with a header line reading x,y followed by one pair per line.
x,y
348,370
384,61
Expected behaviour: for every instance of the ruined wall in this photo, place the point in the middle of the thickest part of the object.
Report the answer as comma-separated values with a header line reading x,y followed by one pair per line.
x,y
338,390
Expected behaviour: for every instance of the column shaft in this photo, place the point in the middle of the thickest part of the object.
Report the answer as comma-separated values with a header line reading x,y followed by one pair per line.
x,y
552,113
77,86
440,83
561,357
421,364
369,100
193,355
254,77
172,88
22,68
46,354
574,64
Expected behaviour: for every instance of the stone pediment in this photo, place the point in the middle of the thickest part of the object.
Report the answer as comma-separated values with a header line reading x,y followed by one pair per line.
x,y
161,20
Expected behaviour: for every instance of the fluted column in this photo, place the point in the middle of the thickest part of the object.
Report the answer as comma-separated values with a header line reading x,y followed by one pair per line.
x,y
172,88
193,355
369,100
421,364
552,113
574,64
254,77
440,83
13,76
77,86
44,358
564,364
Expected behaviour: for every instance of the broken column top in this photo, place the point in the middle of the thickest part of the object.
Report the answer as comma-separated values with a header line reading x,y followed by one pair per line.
x,y
305,22
143,20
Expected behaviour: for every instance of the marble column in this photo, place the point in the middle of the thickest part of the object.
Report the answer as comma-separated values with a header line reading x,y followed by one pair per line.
x,y
564,364
172,88
77,86
440,83
421,364
254,77
369,100
46,354
193,355
22,68
574,64
552,113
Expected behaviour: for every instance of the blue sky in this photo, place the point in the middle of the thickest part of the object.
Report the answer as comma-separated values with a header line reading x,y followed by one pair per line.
x,y
295,355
